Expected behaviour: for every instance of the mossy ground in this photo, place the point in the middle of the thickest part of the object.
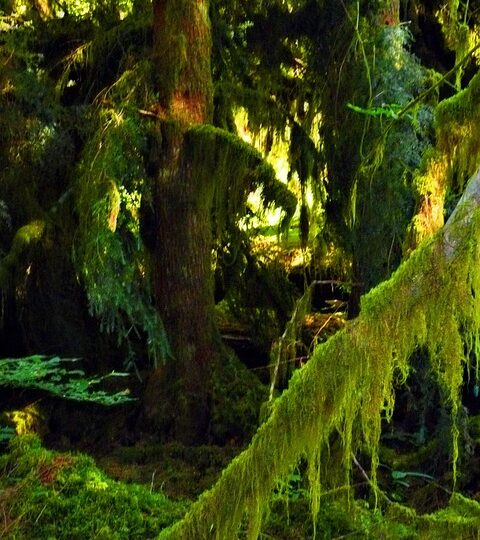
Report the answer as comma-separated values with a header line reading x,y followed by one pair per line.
x,y
136,492
45,494
179,471
52,495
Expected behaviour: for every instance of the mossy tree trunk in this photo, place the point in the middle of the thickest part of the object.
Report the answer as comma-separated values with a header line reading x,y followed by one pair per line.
x,y
177,394
348,384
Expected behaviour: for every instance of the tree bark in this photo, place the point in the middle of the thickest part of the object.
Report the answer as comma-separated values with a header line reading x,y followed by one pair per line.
x,y
309,409
176,399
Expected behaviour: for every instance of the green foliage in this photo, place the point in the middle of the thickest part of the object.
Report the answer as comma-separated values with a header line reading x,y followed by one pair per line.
x,y
53,376
109,252
77,10
47,93
388,111
6,434
394,150
261,55
36,143
64,496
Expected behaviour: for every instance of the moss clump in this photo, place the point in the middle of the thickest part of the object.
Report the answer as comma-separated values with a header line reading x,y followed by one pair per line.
x,y
63,496
23,240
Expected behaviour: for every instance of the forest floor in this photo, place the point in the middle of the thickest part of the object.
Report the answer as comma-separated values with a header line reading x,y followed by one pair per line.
x,y
105,481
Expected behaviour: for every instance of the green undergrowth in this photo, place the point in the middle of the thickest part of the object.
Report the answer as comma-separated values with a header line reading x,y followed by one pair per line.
x,y
289,518
51,495
45,494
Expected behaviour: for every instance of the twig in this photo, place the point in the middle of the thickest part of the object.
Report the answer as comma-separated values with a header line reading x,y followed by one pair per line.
x,y
365,475
150,114
153,479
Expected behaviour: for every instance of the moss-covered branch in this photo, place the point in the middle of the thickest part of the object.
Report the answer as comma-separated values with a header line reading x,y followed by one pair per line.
x,y
430,302
229,169
24,238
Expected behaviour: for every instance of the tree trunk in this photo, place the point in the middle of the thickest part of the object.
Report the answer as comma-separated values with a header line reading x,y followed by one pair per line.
x,y
176,399
431,301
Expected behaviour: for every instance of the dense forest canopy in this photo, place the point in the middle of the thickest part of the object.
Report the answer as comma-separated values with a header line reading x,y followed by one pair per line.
x,y
248,210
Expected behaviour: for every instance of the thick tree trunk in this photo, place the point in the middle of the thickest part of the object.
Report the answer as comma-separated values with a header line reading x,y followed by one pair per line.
x,y
349,379
176,399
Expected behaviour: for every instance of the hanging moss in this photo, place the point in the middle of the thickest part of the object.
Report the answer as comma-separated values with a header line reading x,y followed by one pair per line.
x,y
446,168
229,169
430,182
453,18
430,301
393,150
457,124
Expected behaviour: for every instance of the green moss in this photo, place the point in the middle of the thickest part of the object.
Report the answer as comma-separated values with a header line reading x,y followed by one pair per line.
x,y
461,519
25,238
457,120
347,387
64,496
227,170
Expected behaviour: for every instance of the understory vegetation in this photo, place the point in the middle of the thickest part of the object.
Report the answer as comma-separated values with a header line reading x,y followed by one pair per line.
x,y
239,269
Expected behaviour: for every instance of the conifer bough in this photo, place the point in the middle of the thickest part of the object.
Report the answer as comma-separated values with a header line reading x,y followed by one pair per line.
x,y
432,302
